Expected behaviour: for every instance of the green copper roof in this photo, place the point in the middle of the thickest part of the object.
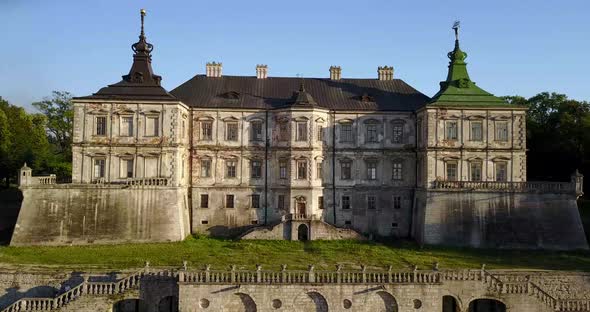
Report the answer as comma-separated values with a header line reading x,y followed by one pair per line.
x,y
458,89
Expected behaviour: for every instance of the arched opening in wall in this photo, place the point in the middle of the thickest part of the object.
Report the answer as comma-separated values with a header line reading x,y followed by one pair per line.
x,y
486,305
450,304
321,305
248,304
302,233
389,302
129,305
168,304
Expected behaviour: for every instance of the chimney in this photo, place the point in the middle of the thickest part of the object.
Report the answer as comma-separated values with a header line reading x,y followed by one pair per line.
x,y
261,71
214,69
335,73
385,72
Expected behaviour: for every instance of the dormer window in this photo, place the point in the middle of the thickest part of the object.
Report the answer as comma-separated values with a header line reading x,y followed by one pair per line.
x,y
231,95
366,98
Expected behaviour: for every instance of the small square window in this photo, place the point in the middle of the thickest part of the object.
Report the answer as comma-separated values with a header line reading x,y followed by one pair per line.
x,y
204,200
229,201
345,202
371,202
204,222
348,222
394,224
254,222
397,202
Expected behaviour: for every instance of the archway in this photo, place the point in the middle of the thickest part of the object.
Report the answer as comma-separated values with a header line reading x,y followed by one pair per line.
x,y
129,305
450,304
486,305
168,304
321,305
239,302
389,302
302,233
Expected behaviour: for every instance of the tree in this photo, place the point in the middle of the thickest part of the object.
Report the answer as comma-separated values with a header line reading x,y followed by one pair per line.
x,y
58,109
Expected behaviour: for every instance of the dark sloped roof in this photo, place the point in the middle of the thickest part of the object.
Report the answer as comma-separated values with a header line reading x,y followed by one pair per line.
x,y
277,92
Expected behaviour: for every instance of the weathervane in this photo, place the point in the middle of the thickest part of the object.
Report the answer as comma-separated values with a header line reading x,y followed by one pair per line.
x,y
456,26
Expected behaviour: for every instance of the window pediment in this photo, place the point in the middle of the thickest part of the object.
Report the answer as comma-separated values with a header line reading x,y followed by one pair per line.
x,y
150,112
346,121
475,117
371,121
205,118
300,119
320,120
500,158
500,117
125,112
230,119
450,158
98,111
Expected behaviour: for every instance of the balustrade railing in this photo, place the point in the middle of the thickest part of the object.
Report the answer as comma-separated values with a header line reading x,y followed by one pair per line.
x,y
543,187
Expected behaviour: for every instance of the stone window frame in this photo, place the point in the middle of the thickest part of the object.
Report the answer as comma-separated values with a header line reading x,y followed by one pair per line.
x,y
350,163
102,126
397,131
126,158
474,120
227,201
397,174
397,201
454,162
157,158
157,123
475,162
300,170
451,135
321,203
206,129
258,174
371,202
372,176
258,122
301,129
501,134
123,115
281,201
320,129
501,161
349,137
103,170
283,129
202,160
201,202
227,162
232,130
372,130
284,161
255,201
346,202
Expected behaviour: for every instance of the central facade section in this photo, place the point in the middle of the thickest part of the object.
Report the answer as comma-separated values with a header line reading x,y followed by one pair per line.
x,y
264,151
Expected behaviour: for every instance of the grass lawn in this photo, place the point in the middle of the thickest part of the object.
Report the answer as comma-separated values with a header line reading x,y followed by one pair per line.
x,y
199,251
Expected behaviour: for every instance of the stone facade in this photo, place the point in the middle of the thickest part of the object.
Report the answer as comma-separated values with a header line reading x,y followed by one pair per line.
x,y
152,290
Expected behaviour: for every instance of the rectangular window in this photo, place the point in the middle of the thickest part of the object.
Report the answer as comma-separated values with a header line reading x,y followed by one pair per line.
x,y
282,169
206,130
152,126
284,131
204,200
451,171
302,169
229,201
256,128
101,125
371,170
397,202
151,167
230,170
397,170
321,202
205,168
126,126
398,134
371,202
99,168
301,131
346,133
319,170
320,133
256,169
231,131
345,202
281,202
451,130
476,131
345,170
371,133
475,170
501,171
502,131
255,201
126,168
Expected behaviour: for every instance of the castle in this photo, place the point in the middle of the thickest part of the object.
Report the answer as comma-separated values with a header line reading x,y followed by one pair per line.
x,y
298,158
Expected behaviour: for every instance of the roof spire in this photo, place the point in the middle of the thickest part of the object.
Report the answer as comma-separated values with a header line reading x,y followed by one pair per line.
x,y
142,12
142,47
456,26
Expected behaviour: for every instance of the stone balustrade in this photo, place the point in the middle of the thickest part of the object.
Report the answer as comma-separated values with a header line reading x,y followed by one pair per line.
x,y
300,217
537,187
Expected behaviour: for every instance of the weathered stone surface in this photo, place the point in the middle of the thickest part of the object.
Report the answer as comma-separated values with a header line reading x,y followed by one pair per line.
x,y
293,229
81,214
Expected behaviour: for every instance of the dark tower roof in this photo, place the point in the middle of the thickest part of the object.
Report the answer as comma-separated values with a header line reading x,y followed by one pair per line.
x,y
303,98
141,83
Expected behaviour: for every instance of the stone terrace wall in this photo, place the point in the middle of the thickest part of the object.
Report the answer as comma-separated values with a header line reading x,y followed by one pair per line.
x,y
79,214
497,219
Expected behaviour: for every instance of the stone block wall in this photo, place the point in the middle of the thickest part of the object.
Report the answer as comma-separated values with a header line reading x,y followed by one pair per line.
x,y
81,214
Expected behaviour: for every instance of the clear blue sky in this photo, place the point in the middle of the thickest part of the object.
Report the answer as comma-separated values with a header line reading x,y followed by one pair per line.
x,y
515,47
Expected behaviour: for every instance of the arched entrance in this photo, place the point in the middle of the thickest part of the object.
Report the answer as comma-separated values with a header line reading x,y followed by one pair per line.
x,y
239,302
321,305
302,233
486,305
450,304
168,304
129,305
389,302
